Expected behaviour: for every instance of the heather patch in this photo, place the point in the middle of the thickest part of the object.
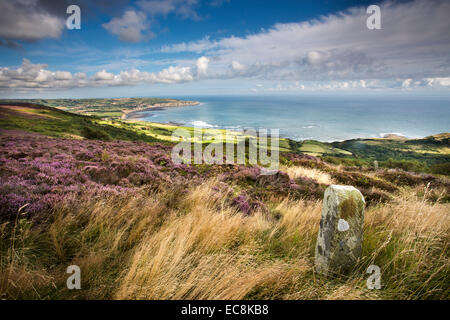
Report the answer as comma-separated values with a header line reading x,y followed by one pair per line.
x,y
41,172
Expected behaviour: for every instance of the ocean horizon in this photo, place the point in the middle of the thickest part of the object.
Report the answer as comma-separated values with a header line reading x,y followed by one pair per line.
x,y
325,118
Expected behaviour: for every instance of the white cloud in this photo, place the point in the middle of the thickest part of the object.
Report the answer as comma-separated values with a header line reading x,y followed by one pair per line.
x,y
236,66
202,66
314,57
406,83
413,43
194,46
27,20
31,76
431,83
130,27
175,75
172,74
63,75
36,76
103,75
438,82
362,83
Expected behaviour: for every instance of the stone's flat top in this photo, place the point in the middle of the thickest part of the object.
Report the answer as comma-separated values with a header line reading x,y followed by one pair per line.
x,y
342,191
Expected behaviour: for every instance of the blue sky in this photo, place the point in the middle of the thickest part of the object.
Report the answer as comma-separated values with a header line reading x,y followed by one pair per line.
x,y
192,47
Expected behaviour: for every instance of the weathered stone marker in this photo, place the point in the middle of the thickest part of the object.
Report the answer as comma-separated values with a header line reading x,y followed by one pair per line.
x,y
341,230
375,164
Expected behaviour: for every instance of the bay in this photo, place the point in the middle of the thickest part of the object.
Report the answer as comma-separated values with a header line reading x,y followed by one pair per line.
x,y
323,117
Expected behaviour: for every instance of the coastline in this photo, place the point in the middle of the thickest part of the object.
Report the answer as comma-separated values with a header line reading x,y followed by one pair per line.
x,y
134,115
127,114
386,136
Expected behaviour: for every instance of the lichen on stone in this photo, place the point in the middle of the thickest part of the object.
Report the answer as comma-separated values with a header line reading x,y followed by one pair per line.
x,y
348,208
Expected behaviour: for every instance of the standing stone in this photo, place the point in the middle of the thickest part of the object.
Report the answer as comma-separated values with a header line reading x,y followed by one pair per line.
x,y
341,230
375,164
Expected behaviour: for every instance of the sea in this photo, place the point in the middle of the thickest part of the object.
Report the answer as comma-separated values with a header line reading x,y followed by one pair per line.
x,y
323,117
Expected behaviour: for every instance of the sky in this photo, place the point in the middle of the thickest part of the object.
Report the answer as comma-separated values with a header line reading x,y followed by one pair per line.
x,y
199,47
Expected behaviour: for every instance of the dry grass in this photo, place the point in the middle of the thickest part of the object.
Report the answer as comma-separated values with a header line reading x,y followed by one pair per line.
x,y
409,240
315,174
205,254
143,247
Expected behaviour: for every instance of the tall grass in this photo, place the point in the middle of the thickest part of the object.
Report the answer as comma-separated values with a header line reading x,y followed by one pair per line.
x,y
409,240
196,245
315,174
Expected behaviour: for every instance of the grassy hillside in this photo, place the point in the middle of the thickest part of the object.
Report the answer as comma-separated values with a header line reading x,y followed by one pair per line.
x,y
430,150
57,123
110,200
105,108
429,155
